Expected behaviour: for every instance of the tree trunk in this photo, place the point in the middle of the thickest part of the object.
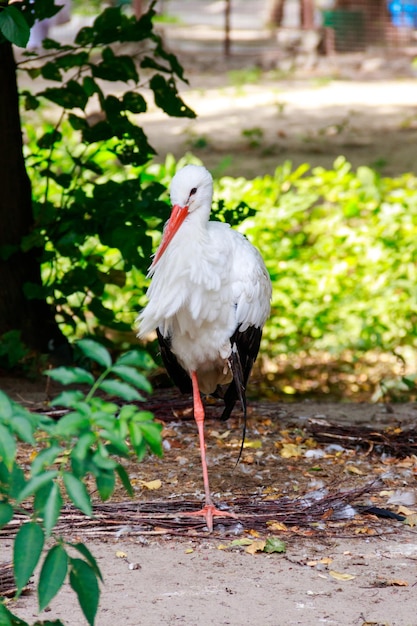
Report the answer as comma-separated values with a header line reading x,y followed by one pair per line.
x,y
33,317
276,12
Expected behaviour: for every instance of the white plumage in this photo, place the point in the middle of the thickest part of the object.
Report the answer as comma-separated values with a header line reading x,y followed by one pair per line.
x,y
209,298
209,281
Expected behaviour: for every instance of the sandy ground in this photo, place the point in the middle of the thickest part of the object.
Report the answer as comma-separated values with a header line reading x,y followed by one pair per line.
x,y
355,571
195,583
370,123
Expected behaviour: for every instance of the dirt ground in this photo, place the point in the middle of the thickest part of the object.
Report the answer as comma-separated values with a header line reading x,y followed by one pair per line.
x,y
253,114
355,570
342,567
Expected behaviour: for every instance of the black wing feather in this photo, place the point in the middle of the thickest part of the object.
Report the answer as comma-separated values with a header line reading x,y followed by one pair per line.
x,y
177,373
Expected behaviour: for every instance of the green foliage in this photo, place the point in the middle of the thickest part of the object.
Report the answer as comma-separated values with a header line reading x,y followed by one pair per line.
x,y
254,136
12,350
13,26
83,444
341,250
17,19
96,210
339,244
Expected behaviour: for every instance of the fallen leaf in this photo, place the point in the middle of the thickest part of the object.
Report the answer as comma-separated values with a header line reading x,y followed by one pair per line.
x,y
407,462
403,510
152,484
365,530
276,526
256,443
217,435
354,470
240,542
168,432
188,551
324,561
411,520
290,450
397,583
273,544
341,575
256,546
121,555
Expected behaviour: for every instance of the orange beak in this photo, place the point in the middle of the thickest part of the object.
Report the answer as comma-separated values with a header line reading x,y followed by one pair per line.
x,y
178,215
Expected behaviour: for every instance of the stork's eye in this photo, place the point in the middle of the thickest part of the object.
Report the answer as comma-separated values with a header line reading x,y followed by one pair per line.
x,y
193,191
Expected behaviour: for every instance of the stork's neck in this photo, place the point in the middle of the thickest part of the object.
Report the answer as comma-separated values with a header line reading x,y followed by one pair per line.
x,y
200,216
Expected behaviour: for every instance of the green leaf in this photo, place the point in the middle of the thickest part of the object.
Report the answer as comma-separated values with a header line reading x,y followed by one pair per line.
x,y
273,544
17,481
82,549
70,96
78,494
123,390
52,575
77,122
13,26
48,139
83,580
71,424
90,86
6,407
116,440
167,98
68,399
51,71
27,550
44,458
137,358
22,426
52,509
135,102
105,482
6,513
137,440
115,67
71,375
7,446
8,619
35,483
95,351
152,433
124,477
82,448
132,376
102,460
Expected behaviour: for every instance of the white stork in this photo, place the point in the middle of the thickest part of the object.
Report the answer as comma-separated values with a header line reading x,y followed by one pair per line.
x,y
208,301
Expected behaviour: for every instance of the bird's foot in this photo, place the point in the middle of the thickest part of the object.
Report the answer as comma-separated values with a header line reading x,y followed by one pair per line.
x,y
208,512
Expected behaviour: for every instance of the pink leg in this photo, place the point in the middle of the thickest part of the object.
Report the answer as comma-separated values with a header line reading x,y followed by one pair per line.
x,y
209,510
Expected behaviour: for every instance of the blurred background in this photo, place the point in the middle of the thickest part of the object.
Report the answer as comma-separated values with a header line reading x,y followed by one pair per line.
x,y
306,115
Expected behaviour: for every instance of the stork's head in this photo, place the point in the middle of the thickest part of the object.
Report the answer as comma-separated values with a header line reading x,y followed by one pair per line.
x,y
192,188
191,192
